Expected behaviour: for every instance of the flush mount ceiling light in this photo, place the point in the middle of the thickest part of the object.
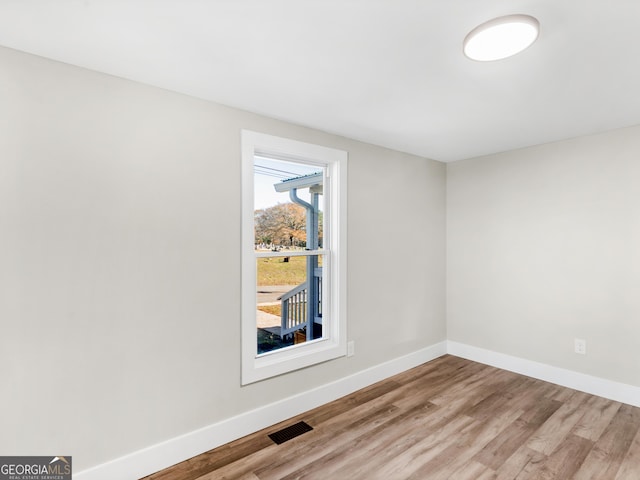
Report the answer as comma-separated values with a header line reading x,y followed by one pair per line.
x,y
501,37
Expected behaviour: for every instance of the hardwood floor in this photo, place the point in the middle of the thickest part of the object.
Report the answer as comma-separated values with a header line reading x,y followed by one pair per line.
x,y
449,418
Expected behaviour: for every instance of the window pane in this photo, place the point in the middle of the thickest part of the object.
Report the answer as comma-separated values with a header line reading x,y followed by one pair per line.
x,y
289,301
275,172
288,205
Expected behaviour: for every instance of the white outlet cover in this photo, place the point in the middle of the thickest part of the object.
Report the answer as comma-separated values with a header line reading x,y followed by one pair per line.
x,y
351,348
580,346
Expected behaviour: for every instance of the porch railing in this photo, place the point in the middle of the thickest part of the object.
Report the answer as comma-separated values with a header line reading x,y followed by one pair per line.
x,y
294,309
294,305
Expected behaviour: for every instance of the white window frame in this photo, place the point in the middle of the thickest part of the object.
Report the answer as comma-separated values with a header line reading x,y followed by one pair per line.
x,y
334,342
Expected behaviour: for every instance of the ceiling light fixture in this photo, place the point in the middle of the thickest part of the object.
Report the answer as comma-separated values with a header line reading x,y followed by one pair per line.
x,y
501,37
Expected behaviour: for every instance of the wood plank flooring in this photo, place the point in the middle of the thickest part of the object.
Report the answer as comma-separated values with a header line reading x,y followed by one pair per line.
x,y
447,419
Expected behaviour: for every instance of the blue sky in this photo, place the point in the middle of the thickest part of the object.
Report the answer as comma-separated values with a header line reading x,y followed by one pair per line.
x,y
268,172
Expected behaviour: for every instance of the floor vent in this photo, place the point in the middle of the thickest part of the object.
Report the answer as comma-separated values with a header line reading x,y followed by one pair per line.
x,y
290,432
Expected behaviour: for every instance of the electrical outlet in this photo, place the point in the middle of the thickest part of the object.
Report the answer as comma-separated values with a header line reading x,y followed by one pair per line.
x,y
351,348
580,346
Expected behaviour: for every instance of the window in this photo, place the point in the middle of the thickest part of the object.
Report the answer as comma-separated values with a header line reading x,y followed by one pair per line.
x,y
293,255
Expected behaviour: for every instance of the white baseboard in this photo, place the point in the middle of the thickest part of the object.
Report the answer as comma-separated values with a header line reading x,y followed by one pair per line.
x,y
158,457
619,392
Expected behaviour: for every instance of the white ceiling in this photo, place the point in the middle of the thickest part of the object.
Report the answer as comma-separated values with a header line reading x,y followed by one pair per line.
x,y
388,72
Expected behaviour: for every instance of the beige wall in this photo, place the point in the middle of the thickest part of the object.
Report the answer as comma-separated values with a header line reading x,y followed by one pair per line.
x,y
544,246
120,261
